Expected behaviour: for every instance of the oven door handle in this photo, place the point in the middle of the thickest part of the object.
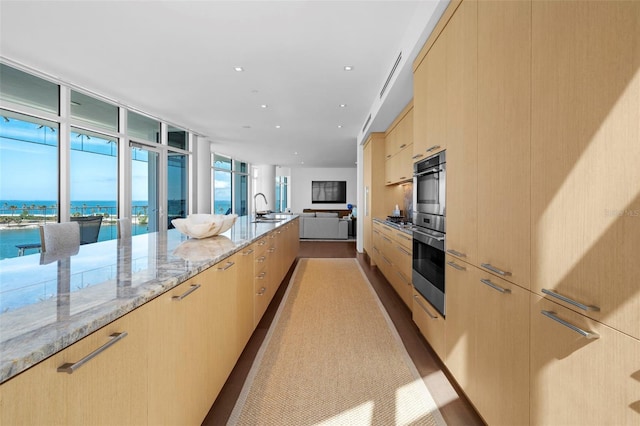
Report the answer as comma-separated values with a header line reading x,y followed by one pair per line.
x,y
430,171
435,237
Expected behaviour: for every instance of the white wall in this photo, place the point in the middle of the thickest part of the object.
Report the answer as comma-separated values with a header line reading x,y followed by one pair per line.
x,y
301,186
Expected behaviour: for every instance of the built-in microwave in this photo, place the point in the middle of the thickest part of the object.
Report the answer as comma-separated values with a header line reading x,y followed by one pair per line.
x,y
429,185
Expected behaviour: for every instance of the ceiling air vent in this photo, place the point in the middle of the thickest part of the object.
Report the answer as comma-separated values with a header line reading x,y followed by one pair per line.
x,y
393,71
366,123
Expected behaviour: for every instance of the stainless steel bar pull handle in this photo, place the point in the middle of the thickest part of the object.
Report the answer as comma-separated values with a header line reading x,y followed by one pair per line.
x,y
193,288
261,275
386,260
271,250
433,148
456,266
402,277
424,308
403,145
71,367
496,270
226,266
571,301
402,250
495,287
417,156
456,253
262,291
248,252
583,333
261,259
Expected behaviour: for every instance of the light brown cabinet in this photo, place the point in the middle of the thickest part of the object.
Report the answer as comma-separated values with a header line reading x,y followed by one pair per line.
x,y
429,321
462,133
578,379
399,148
393,255
244,297
585,140
487,342
504,128
430,97
181,353
109,389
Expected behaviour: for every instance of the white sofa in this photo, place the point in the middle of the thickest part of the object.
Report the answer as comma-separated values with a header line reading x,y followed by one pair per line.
x,y
323,226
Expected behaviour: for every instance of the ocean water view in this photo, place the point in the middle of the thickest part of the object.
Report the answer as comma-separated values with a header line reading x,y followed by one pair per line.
x,y
20,220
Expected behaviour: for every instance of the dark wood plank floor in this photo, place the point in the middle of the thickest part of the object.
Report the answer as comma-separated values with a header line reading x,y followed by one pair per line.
x,y
455,409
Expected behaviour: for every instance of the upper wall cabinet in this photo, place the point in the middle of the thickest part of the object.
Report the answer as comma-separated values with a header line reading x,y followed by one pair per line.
x,y
585,156
399,148
504,138
429,111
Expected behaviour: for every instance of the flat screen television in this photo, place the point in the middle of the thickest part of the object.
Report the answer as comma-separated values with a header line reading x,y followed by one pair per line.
x,y
328,191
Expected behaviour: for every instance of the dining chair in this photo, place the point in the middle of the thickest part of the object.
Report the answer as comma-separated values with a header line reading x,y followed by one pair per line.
x,y
89,228
60,238
123,227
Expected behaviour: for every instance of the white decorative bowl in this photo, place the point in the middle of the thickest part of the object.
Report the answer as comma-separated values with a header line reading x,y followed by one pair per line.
x,y
204,225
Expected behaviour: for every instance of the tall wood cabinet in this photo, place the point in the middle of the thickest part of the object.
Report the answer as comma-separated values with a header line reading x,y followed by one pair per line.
x,y
586,145
504,127
375,202
462,132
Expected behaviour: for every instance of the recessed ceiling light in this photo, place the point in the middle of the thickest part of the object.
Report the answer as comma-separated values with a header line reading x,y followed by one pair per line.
x,y
343,105
295,153
277,126
348,67
302,162
264,106
339,126
239,69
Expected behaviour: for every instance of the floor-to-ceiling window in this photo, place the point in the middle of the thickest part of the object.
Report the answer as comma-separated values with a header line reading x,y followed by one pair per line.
x,y
282,202
241,188
28,180
64,153
230,186
222,184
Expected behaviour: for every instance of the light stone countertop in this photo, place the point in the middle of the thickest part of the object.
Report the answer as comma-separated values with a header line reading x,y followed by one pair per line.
x,y
406,229
47,305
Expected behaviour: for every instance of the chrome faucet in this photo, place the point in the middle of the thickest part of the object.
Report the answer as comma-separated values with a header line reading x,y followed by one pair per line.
x,y
255,204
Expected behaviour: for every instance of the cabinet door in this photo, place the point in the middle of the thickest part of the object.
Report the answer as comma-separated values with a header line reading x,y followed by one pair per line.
x,y
504,95
244,297
461,335
430,323
577,380
436,89
110,388
223,303
462,139
502,351
586,202
420,112
180,358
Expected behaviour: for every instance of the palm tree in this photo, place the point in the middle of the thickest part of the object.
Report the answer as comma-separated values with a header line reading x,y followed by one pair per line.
x,y
13,210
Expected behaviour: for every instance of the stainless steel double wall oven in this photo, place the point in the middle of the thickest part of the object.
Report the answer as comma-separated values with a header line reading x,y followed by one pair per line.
x,y
429,220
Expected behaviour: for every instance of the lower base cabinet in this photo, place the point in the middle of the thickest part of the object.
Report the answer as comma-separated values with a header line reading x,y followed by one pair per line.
x,y
109,389
582,372
429,322
487,342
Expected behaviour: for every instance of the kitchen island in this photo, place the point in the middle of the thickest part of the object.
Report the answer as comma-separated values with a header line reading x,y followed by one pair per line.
x,y
49,305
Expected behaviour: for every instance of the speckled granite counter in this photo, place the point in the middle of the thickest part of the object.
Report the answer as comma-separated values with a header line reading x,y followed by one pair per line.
x,y
407,229
48,304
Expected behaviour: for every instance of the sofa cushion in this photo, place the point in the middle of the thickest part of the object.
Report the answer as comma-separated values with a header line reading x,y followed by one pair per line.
x,y
320,214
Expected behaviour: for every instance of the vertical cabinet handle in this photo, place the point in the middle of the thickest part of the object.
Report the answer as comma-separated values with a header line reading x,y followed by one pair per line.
x,y
571,301
415,297
495,270
495,287
71,367
583,333
226,266
193,288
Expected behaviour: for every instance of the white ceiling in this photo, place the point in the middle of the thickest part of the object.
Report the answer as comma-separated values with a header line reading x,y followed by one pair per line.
x,y
175,60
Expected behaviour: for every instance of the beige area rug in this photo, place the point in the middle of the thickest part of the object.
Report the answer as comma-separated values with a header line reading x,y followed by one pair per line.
x,y
333,357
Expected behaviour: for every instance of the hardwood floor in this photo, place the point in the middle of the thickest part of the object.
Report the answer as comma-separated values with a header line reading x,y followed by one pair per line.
x,y
455,408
